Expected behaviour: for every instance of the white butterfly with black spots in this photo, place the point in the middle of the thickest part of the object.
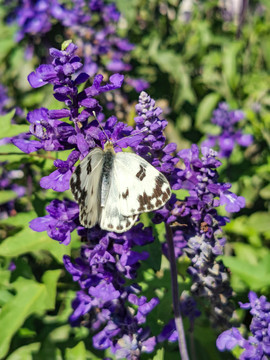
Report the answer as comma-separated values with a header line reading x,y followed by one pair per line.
x,y
112,189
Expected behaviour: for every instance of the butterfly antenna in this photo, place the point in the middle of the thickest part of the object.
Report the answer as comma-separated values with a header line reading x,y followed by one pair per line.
x,y
95,116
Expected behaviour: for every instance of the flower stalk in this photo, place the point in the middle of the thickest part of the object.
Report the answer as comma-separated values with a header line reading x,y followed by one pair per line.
x,y
175,296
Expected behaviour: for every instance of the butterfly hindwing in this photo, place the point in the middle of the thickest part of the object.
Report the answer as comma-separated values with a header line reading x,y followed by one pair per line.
x,y
141,187
111,218
85,186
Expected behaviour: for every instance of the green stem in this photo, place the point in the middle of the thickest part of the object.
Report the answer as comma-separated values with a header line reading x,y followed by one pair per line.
x,y
32,155
176,303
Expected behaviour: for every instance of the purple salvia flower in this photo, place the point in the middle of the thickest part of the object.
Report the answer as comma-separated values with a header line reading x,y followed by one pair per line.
x,y
152,147
33,17
53,133
197,226
229,136
101,273
61,221
114,310
94,23
257,346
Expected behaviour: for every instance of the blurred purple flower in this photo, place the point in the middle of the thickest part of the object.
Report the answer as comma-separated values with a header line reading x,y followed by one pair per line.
x,y
12,266
138,84
230,136
4,100
93,25
8,181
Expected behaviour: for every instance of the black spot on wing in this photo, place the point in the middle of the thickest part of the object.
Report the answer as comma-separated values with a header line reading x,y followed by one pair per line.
x,y
141,174
89,166
160,195
125,194
85,218
76,188
75,182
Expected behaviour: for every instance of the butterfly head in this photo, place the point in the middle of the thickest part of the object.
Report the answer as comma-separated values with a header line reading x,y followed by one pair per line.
x,y
109,147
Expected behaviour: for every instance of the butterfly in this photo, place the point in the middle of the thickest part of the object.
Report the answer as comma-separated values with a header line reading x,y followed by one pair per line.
x,y
112,189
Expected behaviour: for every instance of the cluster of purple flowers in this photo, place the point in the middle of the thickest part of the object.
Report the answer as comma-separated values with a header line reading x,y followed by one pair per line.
x,y
93,25
197,227
257,346
114,310
229,136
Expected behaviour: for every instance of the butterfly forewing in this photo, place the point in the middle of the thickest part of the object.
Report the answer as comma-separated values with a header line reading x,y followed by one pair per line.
x,y
141,187
85,187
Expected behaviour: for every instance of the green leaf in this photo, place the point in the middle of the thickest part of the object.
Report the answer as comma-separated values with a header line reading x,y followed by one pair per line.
x,y
265,192
6,38
128,9
8,129
21,219
246,251
28,300
259,221
230,54
5,296
159,355
7,195
27,240
255,276
265,44
205,109
25,352
172,63
60,334
78,352
11,153
50,279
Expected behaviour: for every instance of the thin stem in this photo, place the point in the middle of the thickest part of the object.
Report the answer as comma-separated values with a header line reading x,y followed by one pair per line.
x,y
192,346
176,304
32,155
241,18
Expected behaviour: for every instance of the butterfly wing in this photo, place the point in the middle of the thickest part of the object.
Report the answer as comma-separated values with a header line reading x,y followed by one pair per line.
x,y
141,187
85,187
111,218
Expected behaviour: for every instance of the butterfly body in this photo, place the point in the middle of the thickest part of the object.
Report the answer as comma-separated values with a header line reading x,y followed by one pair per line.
x,y
112,189
109,155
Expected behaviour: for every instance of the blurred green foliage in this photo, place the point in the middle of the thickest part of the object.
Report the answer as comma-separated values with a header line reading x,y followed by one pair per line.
x,y
191,67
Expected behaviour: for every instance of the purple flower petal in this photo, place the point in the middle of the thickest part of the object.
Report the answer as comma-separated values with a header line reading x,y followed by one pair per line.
x,y
229,339
56,181
27,146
